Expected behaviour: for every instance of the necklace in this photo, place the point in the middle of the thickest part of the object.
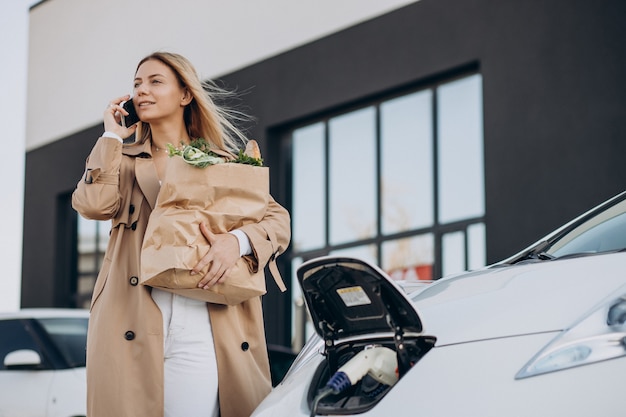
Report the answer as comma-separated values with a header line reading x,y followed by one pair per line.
x,y
157,149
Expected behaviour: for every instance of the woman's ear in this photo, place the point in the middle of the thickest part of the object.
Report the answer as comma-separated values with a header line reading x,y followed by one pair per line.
x,y
187,98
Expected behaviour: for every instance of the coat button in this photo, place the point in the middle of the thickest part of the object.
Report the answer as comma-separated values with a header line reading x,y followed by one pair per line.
x,y
129,335
245,346
133,226
134,281
131,209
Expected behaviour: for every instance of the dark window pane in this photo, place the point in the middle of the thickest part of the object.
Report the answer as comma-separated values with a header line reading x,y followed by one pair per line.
x,y
69,336
16,335
93,238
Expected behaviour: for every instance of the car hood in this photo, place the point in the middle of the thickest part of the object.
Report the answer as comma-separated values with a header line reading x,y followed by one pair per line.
x,y
511,300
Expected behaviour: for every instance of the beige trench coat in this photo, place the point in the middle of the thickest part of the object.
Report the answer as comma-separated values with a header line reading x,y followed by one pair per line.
x,y
125,337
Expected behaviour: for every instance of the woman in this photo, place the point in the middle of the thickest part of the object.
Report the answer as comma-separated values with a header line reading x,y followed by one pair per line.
x,y
151,353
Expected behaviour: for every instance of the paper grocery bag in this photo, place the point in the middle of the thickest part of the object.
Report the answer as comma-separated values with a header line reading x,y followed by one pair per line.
x,y
225,197
240,285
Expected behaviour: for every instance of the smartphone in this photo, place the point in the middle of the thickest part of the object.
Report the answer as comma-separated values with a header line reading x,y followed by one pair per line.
x,y
132,118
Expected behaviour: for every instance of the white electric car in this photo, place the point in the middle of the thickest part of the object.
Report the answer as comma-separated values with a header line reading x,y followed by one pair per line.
x,y
42,373
542,333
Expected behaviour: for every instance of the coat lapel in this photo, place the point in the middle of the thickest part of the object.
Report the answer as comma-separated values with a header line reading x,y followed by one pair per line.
x,y
145,171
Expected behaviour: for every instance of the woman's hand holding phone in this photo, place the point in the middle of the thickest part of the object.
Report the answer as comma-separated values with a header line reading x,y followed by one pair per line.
x,y
131,116
113,118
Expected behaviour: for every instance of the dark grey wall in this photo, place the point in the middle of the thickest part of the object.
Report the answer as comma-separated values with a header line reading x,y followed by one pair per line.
x,y
554,95
554,105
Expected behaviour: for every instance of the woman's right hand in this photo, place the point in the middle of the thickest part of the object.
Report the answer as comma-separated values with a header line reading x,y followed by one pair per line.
x,y
113,118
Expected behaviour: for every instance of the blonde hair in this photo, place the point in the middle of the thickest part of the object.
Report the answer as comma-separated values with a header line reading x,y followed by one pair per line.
x,y
203,118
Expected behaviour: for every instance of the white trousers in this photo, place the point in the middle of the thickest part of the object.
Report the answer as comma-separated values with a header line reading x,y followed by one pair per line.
x,y
190,364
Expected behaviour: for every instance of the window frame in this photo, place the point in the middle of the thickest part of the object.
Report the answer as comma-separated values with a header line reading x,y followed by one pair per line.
x,y
284,134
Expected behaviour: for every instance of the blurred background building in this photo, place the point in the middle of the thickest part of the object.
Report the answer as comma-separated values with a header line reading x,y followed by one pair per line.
x,y
427,136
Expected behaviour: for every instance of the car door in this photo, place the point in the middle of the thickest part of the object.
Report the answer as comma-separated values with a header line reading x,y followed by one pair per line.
x,y
23,390
68,391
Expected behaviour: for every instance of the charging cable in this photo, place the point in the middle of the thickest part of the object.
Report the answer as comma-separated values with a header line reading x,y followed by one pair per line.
x,y
378,362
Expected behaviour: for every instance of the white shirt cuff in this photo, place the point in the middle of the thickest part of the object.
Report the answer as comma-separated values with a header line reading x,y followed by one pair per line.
x,y
244,242
113,136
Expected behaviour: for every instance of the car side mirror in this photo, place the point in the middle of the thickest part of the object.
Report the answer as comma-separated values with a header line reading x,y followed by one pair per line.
x,y
22,359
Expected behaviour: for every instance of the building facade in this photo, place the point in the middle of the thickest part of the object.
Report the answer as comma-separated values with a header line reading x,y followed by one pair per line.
x,y
429,137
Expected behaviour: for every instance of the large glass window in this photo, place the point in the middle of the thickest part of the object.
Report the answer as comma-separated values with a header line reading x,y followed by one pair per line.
x,y
398,181
93,238
352,176
406,154
460,155
309,188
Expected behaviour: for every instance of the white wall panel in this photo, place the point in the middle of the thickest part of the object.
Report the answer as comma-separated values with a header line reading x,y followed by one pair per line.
x,y
83,53
13,24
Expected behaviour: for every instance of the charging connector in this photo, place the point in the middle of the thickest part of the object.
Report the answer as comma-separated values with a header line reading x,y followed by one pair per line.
x,y
378,362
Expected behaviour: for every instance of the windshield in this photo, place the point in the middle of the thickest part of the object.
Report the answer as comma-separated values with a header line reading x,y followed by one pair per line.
x,y
605,232
69,336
